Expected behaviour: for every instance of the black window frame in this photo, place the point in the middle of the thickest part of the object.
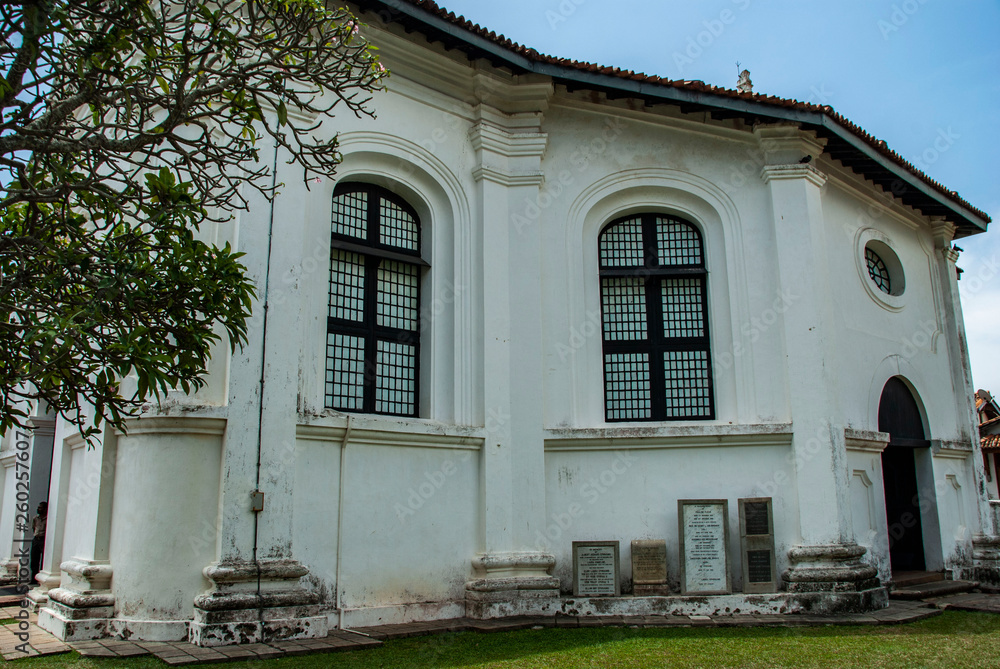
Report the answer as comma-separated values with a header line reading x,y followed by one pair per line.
x,y
656,343
373,251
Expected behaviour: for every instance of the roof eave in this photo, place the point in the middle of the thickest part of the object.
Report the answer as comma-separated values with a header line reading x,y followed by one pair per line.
x,y
967,221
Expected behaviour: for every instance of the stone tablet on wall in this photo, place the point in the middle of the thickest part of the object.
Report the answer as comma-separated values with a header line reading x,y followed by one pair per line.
x,y
596,569
649,567
704,542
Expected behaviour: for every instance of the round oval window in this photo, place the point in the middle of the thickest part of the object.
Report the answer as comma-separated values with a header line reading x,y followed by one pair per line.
x,y
884,268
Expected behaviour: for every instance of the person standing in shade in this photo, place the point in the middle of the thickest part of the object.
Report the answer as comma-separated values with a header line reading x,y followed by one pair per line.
x,y
38,539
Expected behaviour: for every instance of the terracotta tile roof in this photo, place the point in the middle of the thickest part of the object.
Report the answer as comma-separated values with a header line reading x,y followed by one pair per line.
x,y
990,421
990,442
694,86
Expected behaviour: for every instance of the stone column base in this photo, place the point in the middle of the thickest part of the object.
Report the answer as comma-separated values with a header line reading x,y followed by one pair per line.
x,y
512,584
833,579
237,610
39,595
986,562
8,572
82,606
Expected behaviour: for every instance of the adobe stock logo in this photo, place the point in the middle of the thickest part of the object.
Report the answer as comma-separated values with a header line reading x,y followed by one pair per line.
x,y
899,17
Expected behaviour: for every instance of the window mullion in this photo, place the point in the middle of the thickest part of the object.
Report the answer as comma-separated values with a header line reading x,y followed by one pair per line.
x,y
707,343
371,315
654,319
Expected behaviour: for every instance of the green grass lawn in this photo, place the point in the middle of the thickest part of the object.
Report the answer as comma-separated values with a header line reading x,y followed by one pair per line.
x,y
951,640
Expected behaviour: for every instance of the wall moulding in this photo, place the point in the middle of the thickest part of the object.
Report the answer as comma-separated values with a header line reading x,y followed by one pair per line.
x,y
701,436
215,427
382,437
945,448
865,441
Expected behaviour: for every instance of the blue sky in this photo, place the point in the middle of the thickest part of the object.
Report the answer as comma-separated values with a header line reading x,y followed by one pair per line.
x,y
906,71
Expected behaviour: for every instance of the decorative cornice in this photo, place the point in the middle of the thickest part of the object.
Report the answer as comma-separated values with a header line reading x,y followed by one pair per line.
x,y
795,171
505,178
75,440
175,425
634,438
41,425
486,136
943,231
525,93
865,440
956,450
370,437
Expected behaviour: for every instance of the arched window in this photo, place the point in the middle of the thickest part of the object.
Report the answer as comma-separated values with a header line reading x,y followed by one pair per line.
x,y
654,306
373,326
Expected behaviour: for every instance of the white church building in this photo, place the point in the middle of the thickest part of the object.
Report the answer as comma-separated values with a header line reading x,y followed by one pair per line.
x,y
543,302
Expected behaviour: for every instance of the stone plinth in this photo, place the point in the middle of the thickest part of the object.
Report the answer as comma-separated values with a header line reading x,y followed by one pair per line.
x,y
833,579
514,583
986,562
83,605
253,602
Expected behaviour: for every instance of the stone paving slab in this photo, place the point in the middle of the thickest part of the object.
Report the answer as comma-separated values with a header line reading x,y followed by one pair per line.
x,y
976,602
936,589
39,641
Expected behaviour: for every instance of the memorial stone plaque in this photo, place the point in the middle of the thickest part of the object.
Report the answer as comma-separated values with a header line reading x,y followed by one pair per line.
x,y
757,538
704,539
649,567
759,567
756,518
596,569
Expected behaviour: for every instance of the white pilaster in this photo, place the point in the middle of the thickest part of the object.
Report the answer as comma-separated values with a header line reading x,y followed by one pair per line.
x,y
512,573
827,558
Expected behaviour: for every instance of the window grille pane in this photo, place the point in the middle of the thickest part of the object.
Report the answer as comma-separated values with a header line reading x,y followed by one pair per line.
x,y
683,315
350,214
345,367
878,271
397,295
347,285
686,380
623,300
677,243
396,227
395,378
626,392
621,245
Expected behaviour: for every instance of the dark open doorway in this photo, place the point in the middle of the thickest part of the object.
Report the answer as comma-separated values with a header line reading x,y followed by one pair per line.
x,y
899,415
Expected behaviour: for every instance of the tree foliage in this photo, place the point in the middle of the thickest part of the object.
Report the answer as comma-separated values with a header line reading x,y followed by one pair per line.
x,y
125,125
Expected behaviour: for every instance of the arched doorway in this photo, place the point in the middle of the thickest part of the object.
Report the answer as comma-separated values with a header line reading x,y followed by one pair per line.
x,y
899,415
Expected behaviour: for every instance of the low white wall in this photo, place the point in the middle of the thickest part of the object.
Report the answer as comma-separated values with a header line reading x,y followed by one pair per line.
x,y
411,518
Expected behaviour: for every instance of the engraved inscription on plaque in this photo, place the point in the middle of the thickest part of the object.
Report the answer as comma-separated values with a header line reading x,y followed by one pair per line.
x,y
756,514
649,562
595,569
759,566
704,557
